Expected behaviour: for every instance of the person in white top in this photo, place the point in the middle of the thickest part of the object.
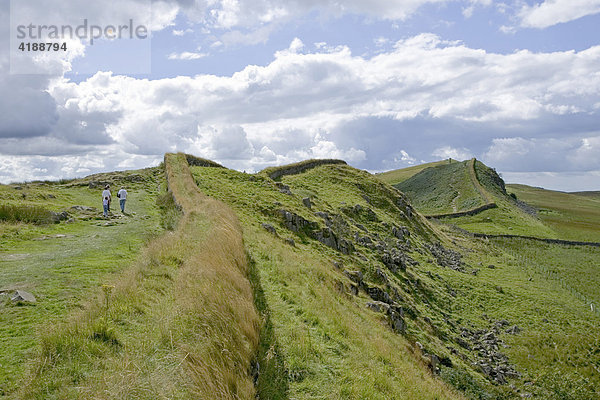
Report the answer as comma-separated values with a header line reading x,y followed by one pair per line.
x,y
106,197
122,195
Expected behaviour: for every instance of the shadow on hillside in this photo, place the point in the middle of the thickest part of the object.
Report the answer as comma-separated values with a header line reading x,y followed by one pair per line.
x,y
270,374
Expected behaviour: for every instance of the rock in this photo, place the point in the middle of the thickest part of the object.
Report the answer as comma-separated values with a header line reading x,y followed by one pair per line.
x,y
23,296
462,343
491,266
269,228
295,223
397,323
381,276
378,294
306,202
434,361
18,187
84,208
400,232
354,289
290,241
285,189
394,260
361,227
61,216
355,276
323,215
98,184
446,257
378,306
514,330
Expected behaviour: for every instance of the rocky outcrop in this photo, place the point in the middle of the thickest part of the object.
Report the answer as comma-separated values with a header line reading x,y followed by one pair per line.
x,y
327,235
485,343
446,257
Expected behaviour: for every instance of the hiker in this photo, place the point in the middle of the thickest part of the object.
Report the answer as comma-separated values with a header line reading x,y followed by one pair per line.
x,y
122,195
106,197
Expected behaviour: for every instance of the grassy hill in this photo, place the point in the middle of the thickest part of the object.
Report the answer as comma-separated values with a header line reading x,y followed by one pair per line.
x,y
322,283
573,216
400,175
444,188
468,187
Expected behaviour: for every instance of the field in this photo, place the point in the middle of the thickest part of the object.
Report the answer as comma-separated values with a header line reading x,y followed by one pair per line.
x,y
571,216
322,283
64,264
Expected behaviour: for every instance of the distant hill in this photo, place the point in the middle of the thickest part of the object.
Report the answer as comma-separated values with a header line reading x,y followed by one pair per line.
x,y
476,196
443,188
595,194
400,175
574,216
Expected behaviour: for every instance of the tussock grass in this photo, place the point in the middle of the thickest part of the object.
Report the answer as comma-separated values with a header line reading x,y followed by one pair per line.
x,y
179,323
25,213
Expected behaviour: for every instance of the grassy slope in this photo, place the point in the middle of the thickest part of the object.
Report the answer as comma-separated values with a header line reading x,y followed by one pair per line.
x,y
62,271
508,218
442,189
324,342
178,323
400,175
572,216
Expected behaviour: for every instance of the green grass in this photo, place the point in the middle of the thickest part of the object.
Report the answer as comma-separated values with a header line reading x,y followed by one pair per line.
x,y
62,264
178,322
179,316
400,175
328,343
571,216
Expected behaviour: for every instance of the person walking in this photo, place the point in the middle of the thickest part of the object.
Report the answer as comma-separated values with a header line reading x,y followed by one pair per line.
x,y
106,197
122,195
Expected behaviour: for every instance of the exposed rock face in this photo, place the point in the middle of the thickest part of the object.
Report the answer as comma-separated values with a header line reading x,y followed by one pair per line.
x,y
306,202
329,238
296,223
327,235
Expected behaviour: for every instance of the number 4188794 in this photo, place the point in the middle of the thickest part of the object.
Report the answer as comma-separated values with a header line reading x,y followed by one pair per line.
x,y
42,46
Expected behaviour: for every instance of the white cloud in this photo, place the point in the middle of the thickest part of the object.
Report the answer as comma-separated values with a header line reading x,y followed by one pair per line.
x,y
186,55
182,32
450,152
423,96
552,12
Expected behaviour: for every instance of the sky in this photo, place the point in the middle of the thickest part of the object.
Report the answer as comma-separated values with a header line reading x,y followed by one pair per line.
x,y
382,84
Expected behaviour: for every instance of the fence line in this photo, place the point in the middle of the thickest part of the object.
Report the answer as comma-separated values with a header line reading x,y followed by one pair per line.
x,y
550,274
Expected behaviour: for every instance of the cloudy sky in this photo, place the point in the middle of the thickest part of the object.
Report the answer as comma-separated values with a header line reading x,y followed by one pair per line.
x,y
383,84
